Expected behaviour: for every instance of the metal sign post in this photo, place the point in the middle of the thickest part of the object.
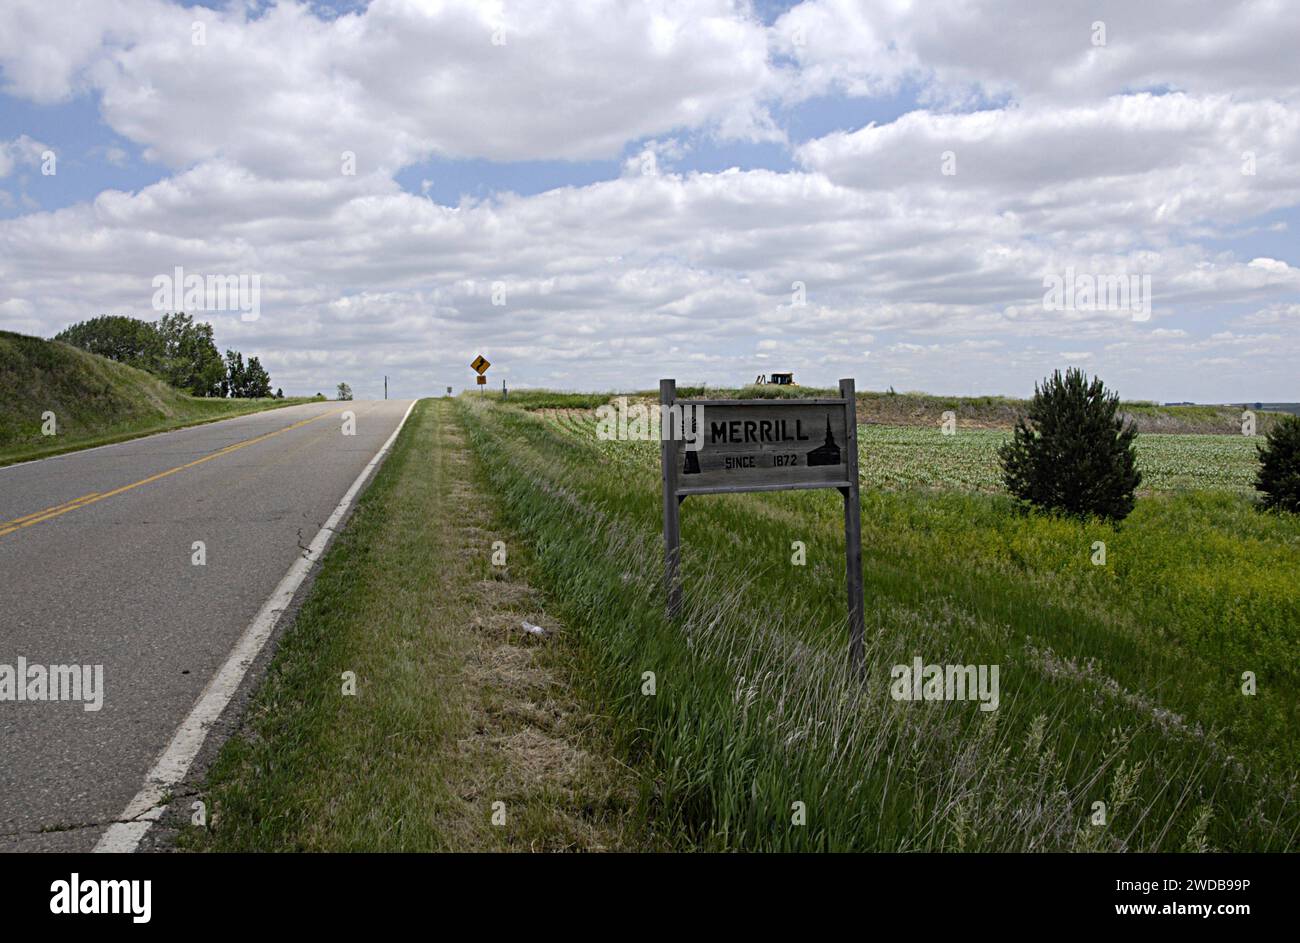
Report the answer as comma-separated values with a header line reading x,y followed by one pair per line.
x,y
765,445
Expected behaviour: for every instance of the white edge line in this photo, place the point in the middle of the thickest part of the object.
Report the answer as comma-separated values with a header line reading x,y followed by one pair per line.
x,y
173,763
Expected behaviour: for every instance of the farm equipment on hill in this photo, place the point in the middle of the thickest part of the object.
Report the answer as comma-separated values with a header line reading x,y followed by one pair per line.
x,y
780,379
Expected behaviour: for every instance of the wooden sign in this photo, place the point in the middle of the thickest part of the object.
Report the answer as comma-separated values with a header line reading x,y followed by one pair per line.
x,y
480,364
764,445
723,446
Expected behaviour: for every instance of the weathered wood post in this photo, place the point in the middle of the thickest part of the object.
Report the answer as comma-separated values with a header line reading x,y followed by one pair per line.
x,y
763,445
853,529
672,506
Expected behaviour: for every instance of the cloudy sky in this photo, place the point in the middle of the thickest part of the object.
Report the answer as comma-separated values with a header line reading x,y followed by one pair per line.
x,y
597,194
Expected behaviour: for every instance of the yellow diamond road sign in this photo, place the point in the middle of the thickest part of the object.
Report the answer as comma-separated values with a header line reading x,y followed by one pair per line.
x,y
480,364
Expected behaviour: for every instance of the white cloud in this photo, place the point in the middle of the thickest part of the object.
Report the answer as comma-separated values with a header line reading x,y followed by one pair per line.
x,y
1145,162
286,93
618,282
21,151
1274,314
986,49
600,282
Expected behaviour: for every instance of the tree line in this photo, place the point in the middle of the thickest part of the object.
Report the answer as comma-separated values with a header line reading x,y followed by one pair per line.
x,y
177,349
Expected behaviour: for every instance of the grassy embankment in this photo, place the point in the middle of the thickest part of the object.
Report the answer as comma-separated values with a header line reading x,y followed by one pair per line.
x,y
95,401
1119,683
455,707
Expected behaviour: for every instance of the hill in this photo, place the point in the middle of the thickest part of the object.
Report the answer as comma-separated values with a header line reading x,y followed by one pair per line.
x,y
95,401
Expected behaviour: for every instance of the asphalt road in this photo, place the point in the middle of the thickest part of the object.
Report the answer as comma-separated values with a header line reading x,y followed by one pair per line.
x,y
111,581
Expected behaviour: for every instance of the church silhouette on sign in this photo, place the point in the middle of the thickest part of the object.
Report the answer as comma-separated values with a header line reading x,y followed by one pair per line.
x,y
828,453
692,461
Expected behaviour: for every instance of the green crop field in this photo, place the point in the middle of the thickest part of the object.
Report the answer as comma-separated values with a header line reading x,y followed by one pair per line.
x,y
893,457
905,456
1121,683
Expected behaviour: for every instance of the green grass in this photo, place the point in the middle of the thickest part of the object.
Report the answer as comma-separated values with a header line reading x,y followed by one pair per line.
x,y
95,401
310,777
433,735
1120,683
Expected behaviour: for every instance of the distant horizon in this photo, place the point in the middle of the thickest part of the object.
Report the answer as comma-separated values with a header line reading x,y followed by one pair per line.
x,y
651,386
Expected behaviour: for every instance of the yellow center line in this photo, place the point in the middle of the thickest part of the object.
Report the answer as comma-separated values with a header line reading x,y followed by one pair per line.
x,y
65,504
95,497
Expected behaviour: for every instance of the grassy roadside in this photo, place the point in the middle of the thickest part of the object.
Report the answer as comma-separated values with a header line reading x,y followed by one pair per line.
x,y
456,708
1197,567
1109,691
1119,684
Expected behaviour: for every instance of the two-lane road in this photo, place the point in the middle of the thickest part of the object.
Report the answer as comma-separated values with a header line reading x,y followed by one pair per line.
x,y
98,567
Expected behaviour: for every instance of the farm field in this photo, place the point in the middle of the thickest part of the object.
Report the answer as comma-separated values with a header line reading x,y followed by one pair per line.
x,y
907,456
1121,683
894,457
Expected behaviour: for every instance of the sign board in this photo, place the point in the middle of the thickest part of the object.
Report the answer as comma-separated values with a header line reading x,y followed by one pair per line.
x,y
764,445
448,391
480,364
482,380
724,446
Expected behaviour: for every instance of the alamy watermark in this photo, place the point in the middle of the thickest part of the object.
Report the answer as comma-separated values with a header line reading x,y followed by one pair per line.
x,y
1084,291
921,682
641,423
29,682
79,895
180,292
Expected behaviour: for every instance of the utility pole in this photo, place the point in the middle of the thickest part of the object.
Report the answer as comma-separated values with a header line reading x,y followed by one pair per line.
x,y
505,394
385,387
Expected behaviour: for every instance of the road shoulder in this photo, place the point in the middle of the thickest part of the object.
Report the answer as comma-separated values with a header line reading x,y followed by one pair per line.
x,y
407,708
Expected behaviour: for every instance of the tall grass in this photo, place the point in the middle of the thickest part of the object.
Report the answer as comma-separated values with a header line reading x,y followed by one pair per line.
x,y
755,709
